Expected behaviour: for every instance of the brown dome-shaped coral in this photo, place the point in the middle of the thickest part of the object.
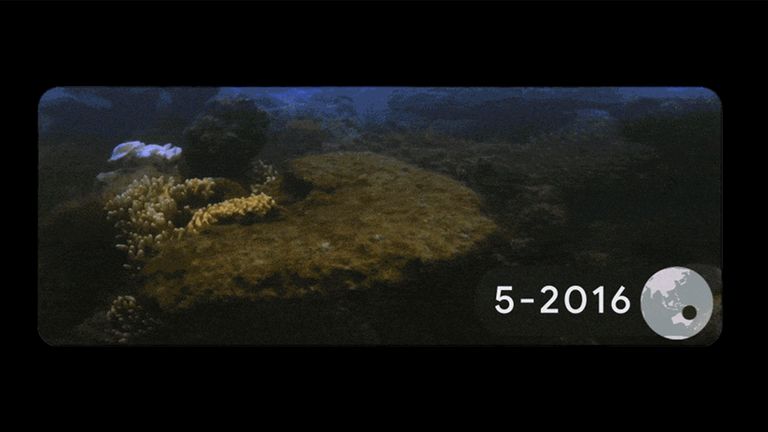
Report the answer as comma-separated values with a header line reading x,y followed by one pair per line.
x,y
358,221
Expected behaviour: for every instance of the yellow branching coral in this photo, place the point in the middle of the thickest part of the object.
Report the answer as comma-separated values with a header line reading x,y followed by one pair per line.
x,y
256,204
193,187
145,211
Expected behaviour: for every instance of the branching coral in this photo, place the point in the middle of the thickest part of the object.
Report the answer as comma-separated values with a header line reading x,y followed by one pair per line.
x,y
257,205
128,319
365,222
146,210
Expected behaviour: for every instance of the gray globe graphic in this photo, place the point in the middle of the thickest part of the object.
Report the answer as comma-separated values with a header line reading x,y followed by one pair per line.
x,y
676,303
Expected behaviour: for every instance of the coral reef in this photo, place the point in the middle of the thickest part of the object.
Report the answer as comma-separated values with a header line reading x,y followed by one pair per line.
x,y
65,172
128,320
136,160
363,221
264,178
299,137
262,173
255,205
138,151
146,211
112,183
77,262
223,140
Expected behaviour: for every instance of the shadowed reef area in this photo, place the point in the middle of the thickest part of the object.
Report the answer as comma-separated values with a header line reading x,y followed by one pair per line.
x,y
316,216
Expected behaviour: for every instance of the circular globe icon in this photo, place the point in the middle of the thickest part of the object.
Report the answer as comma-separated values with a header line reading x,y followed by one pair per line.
x,y
676,303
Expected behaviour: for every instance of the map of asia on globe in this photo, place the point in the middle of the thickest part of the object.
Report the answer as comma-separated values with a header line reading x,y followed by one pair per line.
x,y
676,303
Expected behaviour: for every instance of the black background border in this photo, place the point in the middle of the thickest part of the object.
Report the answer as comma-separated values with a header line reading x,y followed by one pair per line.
x,y
720,46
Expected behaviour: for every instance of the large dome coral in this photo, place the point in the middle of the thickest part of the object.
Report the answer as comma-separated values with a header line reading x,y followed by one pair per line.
x,y
222,141
358,221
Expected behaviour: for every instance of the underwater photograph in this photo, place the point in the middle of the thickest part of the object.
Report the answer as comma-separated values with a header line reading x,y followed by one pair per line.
x,y
411,216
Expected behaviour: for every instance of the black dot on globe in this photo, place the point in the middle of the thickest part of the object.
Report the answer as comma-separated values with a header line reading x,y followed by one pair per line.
x,y
689,312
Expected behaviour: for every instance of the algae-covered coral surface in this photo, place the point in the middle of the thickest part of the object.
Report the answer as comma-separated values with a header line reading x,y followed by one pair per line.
x,y
365,216
364,221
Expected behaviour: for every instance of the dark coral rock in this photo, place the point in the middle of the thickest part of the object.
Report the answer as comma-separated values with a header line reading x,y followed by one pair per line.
x,y
223,141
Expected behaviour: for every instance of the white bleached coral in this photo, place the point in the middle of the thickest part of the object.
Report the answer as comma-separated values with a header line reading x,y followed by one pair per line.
x,y
135,158
146,210
137,150
256,205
